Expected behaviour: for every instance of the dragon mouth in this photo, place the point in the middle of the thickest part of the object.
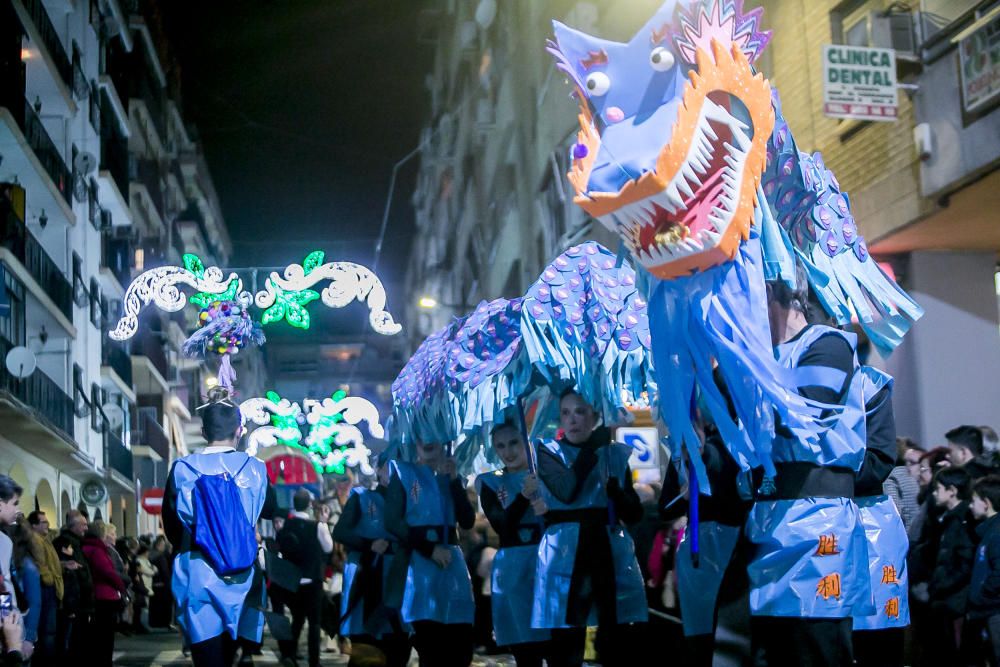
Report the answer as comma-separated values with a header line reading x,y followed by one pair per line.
x,y
695,210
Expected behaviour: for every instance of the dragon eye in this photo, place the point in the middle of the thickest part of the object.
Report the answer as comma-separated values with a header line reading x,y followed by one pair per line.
x,y
661,59
598,84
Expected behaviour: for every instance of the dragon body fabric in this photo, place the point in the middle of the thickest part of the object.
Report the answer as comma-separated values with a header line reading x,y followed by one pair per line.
x,y
683,152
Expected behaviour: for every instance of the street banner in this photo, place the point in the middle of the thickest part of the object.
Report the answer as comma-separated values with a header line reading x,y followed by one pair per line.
x,y
859,82
979,66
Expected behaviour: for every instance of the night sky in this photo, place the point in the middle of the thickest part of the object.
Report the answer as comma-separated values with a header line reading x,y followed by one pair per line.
x,y
303,107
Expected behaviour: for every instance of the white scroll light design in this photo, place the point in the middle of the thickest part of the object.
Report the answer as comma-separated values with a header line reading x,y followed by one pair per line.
x,y
348,282
352,409
159,286
259,411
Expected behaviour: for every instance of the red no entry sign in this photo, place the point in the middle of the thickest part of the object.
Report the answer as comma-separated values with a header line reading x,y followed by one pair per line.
x,y
152,501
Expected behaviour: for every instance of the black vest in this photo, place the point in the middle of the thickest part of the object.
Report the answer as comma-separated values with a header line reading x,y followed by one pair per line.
x,y
300,546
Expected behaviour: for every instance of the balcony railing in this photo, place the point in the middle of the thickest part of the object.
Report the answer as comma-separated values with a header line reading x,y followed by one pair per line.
x,y
114,147
113,354
50,39
39,392
117,456
117,256
147,89
18,240
149,344
147,172
152,435
46,151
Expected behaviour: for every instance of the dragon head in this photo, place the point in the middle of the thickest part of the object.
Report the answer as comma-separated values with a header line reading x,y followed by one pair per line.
x,y
673,131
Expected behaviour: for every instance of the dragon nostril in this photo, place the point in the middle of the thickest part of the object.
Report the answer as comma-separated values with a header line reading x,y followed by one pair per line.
x,y
614,114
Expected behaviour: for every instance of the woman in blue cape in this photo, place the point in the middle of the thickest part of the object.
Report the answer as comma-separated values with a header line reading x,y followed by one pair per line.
x,y
365,618
213,610
587,569
422,505
511,502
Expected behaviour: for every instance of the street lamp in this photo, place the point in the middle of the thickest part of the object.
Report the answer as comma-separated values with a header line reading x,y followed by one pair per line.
x,y
427,302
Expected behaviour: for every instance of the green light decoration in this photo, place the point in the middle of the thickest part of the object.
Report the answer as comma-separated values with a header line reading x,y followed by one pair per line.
x,y
319,444
289,306
289,433
194,264
312,261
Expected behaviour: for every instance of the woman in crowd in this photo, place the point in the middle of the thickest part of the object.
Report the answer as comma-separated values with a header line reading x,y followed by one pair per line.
x,y
109,590
512,503
29,582
144,573
586,561
161,604
423,503
364,617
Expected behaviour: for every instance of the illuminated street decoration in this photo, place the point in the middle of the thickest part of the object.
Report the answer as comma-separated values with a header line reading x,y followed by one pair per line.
x,y
194,264
348,282
284,297
159,286
333,440
277,422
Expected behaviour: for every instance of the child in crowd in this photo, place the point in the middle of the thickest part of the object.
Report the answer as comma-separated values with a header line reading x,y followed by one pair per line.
x,y
984,589
952,565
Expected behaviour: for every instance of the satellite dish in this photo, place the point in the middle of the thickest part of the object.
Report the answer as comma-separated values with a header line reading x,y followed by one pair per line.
x,y
85,163
115,414
21,362
485,13
94,492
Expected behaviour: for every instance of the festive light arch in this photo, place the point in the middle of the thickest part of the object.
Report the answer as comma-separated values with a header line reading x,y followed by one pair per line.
x,y
333,440
283,297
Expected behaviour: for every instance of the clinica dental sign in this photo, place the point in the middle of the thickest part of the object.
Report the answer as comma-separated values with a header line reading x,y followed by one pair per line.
x,y
859,82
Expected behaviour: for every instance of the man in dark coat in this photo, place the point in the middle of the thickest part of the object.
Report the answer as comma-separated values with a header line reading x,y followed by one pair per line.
x,y
73,623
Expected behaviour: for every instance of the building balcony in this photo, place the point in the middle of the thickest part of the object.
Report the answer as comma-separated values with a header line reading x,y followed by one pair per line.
x,y
39,397
114,356
52,69
149,438
116,257
147,173
30,262
30,153
150,367
147,92
117,459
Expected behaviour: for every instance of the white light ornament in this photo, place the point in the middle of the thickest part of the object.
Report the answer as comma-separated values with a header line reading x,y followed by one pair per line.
x,y
348,282
358,456
159,286
277,422
284,298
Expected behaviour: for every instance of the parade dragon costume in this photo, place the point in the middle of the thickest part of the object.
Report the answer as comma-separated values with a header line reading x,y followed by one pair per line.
x,y
684,153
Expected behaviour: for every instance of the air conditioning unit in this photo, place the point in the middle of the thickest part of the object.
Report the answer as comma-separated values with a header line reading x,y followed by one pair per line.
x,y
896,30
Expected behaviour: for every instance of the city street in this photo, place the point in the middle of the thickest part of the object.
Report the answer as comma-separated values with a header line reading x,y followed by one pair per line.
x,y
571,329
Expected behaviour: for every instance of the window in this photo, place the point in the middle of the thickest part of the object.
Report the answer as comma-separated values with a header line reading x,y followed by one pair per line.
x,y
12,324
95,303
81,406
857,34
80,294
97,421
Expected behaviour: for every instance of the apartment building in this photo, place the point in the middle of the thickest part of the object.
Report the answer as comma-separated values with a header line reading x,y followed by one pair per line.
x,y
101,180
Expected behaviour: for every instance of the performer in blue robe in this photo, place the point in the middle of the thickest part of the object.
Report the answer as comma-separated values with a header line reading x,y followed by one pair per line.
x,y
370,552
878,638
587,568
422,505
213,610
721,516
809,571
511,501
